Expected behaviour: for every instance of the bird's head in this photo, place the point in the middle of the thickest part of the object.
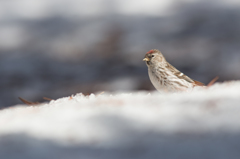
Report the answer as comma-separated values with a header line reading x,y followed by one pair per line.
x,y
154,57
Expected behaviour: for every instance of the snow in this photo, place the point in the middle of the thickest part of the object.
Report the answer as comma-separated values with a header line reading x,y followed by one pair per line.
x,y
200,124
39,9
49,50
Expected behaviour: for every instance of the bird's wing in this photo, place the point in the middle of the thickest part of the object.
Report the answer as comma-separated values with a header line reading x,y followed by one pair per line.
x,y
179,74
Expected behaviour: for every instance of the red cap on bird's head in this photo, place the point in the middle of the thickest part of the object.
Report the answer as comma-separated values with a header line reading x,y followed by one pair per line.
x,y
151,51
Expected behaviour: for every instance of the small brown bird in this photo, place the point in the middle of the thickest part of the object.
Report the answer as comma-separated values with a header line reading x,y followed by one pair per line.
x,y
164,76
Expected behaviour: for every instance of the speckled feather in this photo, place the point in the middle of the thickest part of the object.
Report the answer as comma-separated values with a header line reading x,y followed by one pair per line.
x,y
164,76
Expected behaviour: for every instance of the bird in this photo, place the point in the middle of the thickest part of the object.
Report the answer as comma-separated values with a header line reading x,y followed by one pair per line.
x,y
166,77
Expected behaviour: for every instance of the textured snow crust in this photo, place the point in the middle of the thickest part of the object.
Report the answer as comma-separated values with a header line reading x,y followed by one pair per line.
x,y
204,123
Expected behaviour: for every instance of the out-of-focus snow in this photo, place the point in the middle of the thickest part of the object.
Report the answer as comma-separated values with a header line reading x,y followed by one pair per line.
x,y
38,9
200,124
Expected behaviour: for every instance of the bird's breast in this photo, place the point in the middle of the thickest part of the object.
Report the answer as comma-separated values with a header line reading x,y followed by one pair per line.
x,y
157,79
162,79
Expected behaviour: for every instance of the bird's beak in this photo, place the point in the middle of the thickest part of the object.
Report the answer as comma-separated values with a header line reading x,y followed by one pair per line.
x,y
146,59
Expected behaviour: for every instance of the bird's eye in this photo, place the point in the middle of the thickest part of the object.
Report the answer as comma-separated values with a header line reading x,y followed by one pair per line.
x,y
152,55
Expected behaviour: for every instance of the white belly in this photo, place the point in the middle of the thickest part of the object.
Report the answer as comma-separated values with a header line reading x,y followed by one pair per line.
x,y
168,84
157,83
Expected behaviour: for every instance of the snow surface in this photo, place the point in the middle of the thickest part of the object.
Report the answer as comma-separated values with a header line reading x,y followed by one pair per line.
x,y
200,124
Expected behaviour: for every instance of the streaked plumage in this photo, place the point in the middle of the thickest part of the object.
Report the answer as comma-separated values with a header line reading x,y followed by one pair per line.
x,y
166,77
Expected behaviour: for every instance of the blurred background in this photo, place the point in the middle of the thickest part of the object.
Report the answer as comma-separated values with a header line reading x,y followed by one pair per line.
x,y
59,48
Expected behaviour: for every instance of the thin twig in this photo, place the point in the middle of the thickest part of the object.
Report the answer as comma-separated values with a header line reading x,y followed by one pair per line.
x,y
46,98
28,102
213,81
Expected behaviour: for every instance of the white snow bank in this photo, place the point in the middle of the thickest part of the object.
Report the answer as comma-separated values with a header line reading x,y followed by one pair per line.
x,y
201,124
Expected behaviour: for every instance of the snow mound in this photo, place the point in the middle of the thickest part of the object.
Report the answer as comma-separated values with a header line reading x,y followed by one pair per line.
x,y
200,124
